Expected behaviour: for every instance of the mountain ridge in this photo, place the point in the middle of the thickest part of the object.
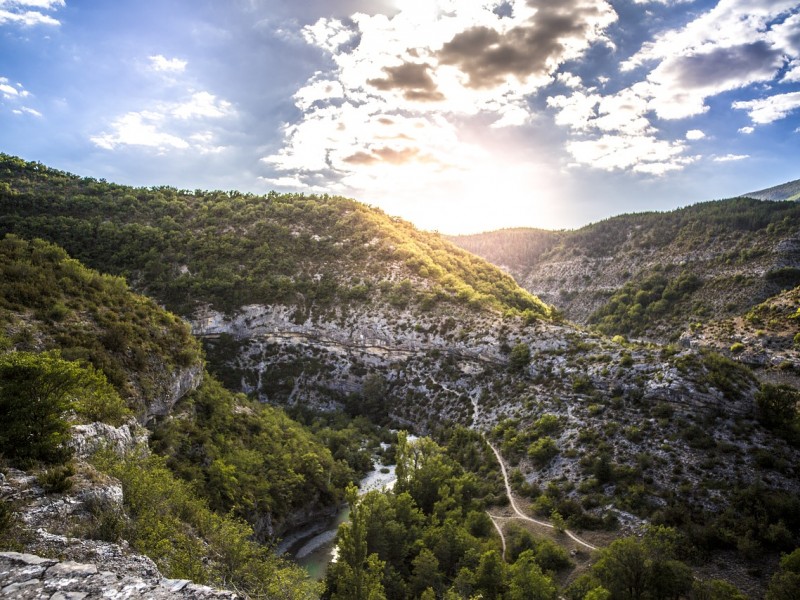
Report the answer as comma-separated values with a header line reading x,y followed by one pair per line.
x,y
740,252
789,191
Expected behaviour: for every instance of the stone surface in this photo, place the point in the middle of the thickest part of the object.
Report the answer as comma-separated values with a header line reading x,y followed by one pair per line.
x,y
25,576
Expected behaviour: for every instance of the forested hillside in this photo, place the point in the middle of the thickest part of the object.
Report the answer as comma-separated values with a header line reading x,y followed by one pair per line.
x,y
351,320
78,349
229,249
652,275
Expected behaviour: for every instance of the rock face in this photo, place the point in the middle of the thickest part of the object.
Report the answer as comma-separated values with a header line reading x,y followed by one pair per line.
x,y
422,367
27,576
88,439
174,386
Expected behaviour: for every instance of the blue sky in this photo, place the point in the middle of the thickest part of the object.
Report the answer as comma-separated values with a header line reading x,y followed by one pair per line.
x,y
458,115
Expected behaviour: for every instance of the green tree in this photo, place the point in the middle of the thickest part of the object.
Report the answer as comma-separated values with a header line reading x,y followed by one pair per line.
x,y
527,582
490,575
542,451
520,358
37,394
356,575
425,572
716,589
786,582
598,593
633,569
777,409
622,569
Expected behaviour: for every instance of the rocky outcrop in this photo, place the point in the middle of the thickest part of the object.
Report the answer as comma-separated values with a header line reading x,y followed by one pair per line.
x,y
89,438
173,386
27,576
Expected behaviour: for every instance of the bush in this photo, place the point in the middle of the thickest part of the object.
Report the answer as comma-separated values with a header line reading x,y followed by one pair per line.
x,y
542,451
37,394
520,358
6,516
56,480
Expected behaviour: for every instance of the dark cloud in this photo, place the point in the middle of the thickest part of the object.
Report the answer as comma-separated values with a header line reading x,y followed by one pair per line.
x,y
413,78
361,158
725,65
385,154
488,57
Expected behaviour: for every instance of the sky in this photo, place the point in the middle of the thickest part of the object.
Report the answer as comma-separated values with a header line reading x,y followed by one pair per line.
x,y
457,115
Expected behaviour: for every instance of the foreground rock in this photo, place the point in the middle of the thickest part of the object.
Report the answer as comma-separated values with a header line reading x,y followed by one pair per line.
x,y
27,576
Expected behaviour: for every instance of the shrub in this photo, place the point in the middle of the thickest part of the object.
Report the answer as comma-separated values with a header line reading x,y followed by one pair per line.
x,y
37,394
542,451
520,358
57,479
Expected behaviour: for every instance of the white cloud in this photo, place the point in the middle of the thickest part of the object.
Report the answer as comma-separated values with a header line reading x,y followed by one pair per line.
x,y
408,89
769,109
730,157
13,94
27,111
43,4
163,64
17,11
747,130
641,154
169,126
202,104
139,129
735,44
570,80
8,90
321,90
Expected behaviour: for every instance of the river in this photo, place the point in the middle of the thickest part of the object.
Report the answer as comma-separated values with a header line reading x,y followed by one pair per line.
x,y
314,548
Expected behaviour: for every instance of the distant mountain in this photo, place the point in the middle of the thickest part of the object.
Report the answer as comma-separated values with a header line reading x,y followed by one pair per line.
x,y
651,275
786,191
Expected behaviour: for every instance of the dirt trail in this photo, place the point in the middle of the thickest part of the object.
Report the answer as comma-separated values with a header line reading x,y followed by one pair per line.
x,y
522,515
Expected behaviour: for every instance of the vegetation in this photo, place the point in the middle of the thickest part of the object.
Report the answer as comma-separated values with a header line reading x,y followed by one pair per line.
x,y
239,458
786,581
430,537
664,270
50,301
175,528
229,249
246,458
38,395
227,472
778,410
631,309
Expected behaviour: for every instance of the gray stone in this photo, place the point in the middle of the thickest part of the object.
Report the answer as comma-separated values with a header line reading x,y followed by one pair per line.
x,y
70,569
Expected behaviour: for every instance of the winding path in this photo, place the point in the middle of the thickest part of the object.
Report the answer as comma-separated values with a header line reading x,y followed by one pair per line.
x,y
522,515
